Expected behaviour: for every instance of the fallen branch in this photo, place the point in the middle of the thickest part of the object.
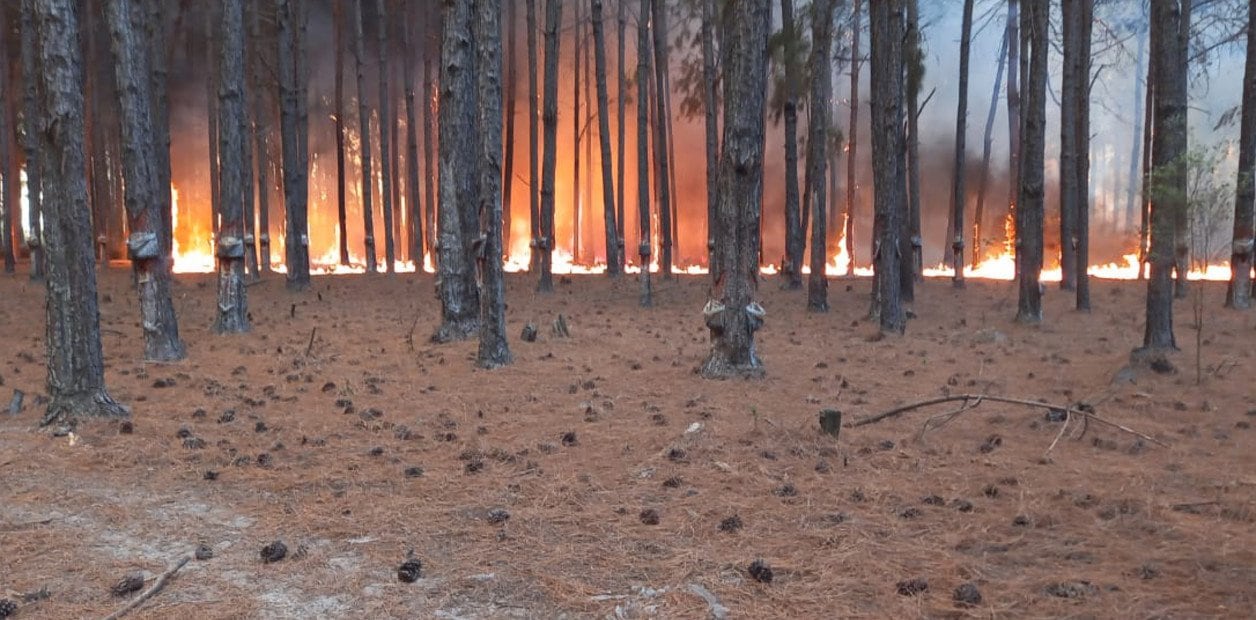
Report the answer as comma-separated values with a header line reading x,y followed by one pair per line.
x,y
310,347
152,590
1069,411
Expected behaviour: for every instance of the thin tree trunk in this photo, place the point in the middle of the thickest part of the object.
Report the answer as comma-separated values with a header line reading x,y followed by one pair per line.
x,y
10,225
644,246
889,167
132,65
1131,190
364,134
261,138
1014,44
30,141
511,56
296,235
429,159
1029,210
493,350
911,266
792,269
549,117
589,87
979,215
233,314
614,263
1239,293
712,124
534,177
385,163
1144,228
734,316
415,208
852,170
817,146
576,203
1075,178
76,369
251,49
959,194
671,170
1182,216
460,158
661,161
621,98
338,28
159,78
211,92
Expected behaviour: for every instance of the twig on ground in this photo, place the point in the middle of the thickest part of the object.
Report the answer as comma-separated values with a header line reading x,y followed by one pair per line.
x,y
942,419
152,590
310,347
1069,411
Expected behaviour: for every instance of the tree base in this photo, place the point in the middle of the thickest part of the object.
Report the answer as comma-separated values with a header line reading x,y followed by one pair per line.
x,y
716,367
454,331
69,409
1155,359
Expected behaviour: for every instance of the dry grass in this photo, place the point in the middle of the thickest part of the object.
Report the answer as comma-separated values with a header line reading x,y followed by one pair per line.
x,y
1099,510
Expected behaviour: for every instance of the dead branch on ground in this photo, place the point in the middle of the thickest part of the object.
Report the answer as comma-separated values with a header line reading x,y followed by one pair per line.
x,y
152,590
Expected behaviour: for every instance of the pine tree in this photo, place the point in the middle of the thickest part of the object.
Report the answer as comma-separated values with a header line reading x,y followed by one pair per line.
x,y
486,32
889,166
233,312
1029,207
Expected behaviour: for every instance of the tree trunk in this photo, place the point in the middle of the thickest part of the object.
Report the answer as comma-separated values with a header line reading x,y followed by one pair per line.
x,y
549,117
338,28
429,159
621,97
1078,17
1169,146
261,137
1239,293
958,194
912,245
1014,44
644,246
494,351
889,167
534,177
575,137
385,163
735,316
613,262
511,60
1131,190
459,184
792,267
212,46
661,161
852,170
233,313
1182,216
76,370
413,203
296,235
817,146
364,134
251,49
30,141
9,226
1144,228
711,116
128,27
978,240
159,79
1029,208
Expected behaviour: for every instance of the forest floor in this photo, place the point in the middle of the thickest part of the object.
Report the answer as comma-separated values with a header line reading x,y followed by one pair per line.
x,y
599,476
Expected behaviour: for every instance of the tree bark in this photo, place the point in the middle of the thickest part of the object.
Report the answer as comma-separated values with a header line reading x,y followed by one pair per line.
x,y
889,167
613,262
1182,216
1014,125
1140,85
128,27
494,352
212,46
233,313
644,246
1029,210
1168,174
76,370
413,203
959,194
912,246
662,163
292,127
30,141
159,78
549,117
792,267
734,318
262,113
712,125
364,134
534,177
430,99
817,148
978,240
1239,293
385,164
621,98
576,124
1074,142
338,28
1144,227
251,49
852,170
459,184
511,60
9,227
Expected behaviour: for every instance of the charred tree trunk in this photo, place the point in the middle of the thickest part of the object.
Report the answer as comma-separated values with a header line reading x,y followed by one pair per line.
x,y
1169,145
534,177
644,247
1074,142
233,313
1239,293
852,170
621,97
261,139
459,184
30,141
128,27
614,263
76,369
979,215
1182,216
511,60
385,164
792,269
662,162
958,194
712,124
413,203
364,133
889,167
1029,208
549,116
735,316
494,351
338,27
817,146
292,127
1014,44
